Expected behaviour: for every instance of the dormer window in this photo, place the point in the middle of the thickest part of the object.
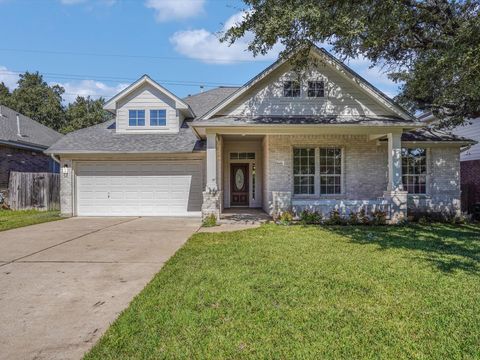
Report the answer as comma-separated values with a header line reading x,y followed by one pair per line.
x,y
291,89
136,117
316,89
158,117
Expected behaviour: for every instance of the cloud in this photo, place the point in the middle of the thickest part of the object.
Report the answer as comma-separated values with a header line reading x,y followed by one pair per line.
x,y
78,2
72,2
9,78
168,10
204,45
92,88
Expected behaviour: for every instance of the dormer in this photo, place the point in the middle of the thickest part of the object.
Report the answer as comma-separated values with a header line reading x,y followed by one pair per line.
x,y
147,107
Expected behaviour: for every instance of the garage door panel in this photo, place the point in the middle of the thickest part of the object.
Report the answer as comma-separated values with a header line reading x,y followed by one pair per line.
x,y
138,188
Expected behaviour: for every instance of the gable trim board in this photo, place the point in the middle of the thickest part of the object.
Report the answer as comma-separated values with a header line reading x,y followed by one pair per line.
x,y
329,60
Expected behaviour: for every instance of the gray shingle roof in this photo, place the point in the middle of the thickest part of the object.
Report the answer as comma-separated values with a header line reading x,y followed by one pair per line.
x,y
301,120
102,138
204,101
429,134
33,133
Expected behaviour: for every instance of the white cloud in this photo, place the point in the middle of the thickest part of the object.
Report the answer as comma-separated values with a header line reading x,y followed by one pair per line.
x,y
97,2
72,2
91,88
168,10
9,78
204,45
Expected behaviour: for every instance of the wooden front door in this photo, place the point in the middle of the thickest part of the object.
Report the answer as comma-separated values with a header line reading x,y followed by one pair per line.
x,y
239,194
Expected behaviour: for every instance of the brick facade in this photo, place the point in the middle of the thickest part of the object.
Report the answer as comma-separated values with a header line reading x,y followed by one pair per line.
x,y
470,181
14,159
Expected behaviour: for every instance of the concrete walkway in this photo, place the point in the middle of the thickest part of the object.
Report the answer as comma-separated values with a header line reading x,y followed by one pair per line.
x,y
62,283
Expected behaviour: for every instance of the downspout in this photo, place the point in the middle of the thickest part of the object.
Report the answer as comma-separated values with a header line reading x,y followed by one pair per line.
x,y
57,160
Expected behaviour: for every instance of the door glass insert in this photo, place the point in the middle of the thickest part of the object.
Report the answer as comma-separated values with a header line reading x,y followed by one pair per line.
x,y
239,179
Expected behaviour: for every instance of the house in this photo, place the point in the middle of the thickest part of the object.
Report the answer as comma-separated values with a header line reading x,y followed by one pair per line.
x,y
22,142
323,139
469,161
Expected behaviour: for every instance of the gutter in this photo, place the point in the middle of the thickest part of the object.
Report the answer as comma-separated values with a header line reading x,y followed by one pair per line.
x,y
23,146
57,160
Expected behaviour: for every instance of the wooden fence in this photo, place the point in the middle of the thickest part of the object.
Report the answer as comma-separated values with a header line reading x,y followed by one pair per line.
x,y
40,191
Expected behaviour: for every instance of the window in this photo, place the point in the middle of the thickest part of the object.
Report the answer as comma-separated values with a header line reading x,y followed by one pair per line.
x,y
242,156
330,171
304,171
414,170
158,117
136,117
316,89
291,89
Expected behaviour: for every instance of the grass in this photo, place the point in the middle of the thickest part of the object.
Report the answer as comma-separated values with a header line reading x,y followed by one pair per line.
x,y
14,219
309,293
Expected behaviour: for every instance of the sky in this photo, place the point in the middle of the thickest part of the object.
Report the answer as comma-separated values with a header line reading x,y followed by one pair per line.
x,y
98,47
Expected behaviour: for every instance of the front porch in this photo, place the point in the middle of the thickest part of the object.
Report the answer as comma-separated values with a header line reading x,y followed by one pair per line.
x,y
260,171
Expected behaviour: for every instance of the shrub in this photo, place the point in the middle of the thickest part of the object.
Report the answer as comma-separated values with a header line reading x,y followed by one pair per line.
x,y
209,221
285,218
308,217
353,218
363,217
379,217
428,217
335,218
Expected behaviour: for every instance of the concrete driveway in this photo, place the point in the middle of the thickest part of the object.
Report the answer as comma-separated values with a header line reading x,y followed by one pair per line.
x,y
62,283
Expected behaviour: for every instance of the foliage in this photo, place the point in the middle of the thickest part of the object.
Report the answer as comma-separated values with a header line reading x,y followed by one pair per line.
x,y
308,217
14,219
429,217
209,221
42,102
84,112
309,293
335,218
36,99
431,47
379,217
285,218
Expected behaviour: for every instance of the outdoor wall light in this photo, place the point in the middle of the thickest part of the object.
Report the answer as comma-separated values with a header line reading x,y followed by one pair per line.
x,y
65,170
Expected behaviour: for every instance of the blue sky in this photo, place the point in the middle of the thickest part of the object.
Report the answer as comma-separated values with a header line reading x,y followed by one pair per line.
x,y
97,47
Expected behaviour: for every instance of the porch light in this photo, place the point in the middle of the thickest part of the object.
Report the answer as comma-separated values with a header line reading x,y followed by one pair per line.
x,y
65,170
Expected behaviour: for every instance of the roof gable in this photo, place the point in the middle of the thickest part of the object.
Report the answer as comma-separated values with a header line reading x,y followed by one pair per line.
x,y
111,104
354,80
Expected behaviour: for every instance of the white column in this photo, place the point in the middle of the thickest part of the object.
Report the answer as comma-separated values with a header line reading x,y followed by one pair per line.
x,y
395,162
212,162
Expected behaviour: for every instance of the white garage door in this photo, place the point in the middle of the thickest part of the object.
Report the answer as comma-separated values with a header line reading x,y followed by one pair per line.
x,y
138,188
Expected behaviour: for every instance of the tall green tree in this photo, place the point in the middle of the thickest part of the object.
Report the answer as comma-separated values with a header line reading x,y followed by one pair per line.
x,y
36,99
431,47
4,94
84,112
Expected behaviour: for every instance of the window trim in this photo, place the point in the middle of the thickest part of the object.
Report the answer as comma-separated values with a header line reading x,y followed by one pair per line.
x,y
427,172
342,171
299,89
150,118
314,175
308,89
136,118
317,194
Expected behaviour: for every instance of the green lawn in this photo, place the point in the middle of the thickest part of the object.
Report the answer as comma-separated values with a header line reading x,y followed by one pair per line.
x,y
14,219
309,293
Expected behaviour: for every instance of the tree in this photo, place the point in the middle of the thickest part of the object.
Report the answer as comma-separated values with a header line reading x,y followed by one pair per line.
x,y
432,47
4,94
36,99
85,112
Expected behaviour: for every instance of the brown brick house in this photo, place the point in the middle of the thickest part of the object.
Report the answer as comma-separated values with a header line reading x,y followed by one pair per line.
x,y
22,142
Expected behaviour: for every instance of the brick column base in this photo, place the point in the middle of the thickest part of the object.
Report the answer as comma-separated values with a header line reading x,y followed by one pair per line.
x,y
282,201
211,203
398,205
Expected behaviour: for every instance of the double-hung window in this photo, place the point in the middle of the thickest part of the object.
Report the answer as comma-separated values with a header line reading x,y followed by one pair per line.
x,y
158,117
136,117
304,171
291,89
330,171
316,89
414,170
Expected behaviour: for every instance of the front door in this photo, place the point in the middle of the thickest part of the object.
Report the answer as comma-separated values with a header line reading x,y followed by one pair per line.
x,y
239,185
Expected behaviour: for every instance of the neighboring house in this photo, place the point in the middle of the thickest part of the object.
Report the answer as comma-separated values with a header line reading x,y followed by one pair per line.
x,y
22,142
469,161
327,139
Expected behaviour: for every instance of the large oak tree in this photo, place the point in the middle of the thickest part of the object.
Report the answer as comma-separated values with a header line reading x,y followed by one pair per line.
x,y
431,47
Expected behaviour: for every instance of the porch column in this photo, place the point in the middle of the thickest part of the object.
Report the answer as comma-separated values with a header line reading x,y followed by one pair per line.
x,y
212,196
212,162
395,194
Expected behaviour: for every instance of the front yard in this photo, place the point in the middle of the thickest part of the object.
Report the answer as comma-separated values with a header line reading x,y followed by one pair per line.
x,y
14,219
310,292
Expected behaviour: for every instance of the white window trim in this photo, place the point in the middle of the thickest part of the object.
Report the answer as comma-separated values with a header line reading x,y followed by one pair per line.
x,y
317,194
427,193
157,126
324,89
147,125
